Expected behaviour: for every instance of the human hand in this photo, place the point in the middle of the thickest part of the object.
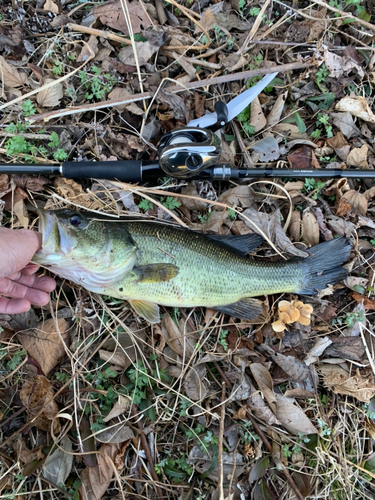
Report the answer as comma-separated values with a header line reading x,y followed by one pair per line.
x,y
19,286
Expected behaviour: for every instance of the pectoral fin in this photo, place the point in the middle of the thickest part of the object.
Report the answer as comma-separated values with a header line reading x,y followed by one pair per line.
x,y
147,310
154,273
247,308
243,244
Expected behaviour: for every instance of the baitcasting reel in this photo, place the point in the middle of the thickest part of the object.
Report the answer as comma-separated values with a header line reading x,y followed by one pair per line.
x,y
185,152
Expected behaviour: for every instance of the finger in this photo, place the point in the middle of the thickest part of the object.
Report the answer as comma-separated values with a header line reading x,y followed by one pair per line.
x,y
44,283
18,291
13,306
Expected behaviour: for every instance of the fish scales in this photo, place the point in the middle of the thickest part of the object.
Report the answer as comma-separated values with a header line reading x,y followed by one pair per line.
x,y
150,263
209,273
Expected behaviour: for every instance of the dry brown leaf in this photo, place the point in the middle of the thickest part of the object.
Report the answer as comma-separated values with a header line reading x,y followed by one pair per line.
x,y
271,226
50,97
95,480
260,408
357,202
89,50
241,196
344,122
195,388
11,76
207,21
145,50
15,202
293,367
356,106
340,65
189,203
265,383
358,157
310,229
277,110
46,343
370,193
320,346
257,118
50,6
179,338
368,304
295,225
117,433
293,418
340,382
121,94
36,393
111,14
122,405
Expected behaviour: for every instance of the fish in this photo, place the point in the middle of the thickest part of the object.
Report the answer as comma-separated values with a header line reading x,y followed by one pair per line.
x,y
149,263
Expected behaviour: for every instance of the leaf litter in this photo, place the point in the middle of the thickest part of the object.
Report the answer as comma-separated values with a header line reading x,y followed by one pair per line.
x,y
94,400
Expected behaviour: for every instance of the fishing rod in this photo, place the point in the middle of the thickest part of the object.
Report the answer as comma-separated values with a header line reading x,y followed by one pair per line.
x,y
190,152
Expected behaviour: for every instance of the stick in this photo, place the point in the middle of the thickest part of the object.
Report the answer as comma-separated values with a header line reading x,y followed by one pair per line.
x,y
174,89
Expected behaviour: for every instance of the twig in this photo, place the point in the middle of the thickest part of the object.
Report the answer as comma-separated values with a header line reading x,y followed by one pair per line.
x,y
345,14
101,33
146,449
220,444
243,75
28,136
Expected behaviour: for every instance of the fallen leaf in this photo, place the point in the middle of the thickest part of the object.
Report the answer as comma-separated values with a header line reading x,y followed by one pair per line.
x,y
268,149
117,433
357,201
96,480
344,122
179,338
277,110
89,50
11,76
340,65
346,347
293,418
302,158
207,21
58,465
356,106
293,367
257,118
233,464
368,304
46,344
122,405
340,382
353,281
111,14
15,202
50,97
239,196
195,388
320,346
175,103
271,226
358,157
37,394
122,94
310,229
50,6
30,182
265,383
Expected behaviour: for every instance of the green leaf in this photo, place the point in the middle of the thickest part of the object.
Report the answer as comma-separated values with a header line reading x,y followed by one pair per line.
x,y
300,123
262,492
259,469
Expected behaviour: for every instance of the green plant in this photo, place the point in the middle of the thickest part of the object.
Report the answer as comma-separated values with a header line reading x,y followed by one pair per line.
x,y
60,155
354,317
325,430
176,468
28,108
372,242
223,338
145,205
244,118
54,140
204,218
311,184
322,122
170,202
232,213
57,68
321,74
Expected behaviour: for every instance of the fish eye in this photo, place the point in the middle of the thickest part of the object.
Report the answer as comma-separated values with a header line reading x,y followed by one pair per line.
x,y
75,220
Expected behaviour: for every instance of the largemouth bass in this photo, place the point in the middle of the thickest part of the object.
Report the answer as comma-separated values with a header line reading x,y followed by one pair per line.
x,y
149,263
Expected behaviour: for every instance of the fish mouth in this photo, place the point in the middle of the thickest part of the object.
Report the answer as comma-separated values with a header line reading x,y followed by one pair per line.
x,y
56,242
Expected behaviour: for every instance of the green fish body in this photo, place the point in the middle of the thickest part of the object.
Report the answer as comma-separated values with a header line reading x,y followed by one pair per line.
x,y
149,263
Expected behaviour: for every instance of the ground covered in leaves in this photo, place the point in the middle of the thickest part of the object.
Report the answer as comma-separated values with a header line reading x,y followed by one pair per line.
x,y
94,402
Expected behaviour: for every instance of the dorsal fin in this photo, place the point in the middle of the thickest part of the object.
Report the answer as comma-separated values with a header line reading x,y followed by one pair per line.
x,y
243,244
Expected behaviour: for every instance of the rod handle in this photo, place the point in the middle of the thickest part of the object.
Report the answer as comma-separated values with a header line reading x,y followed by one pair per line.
x,y
125,171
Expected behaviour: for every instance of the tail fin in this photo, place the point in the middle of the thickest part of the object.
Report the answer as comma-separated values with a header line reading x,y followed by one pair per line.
x,y
323,266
